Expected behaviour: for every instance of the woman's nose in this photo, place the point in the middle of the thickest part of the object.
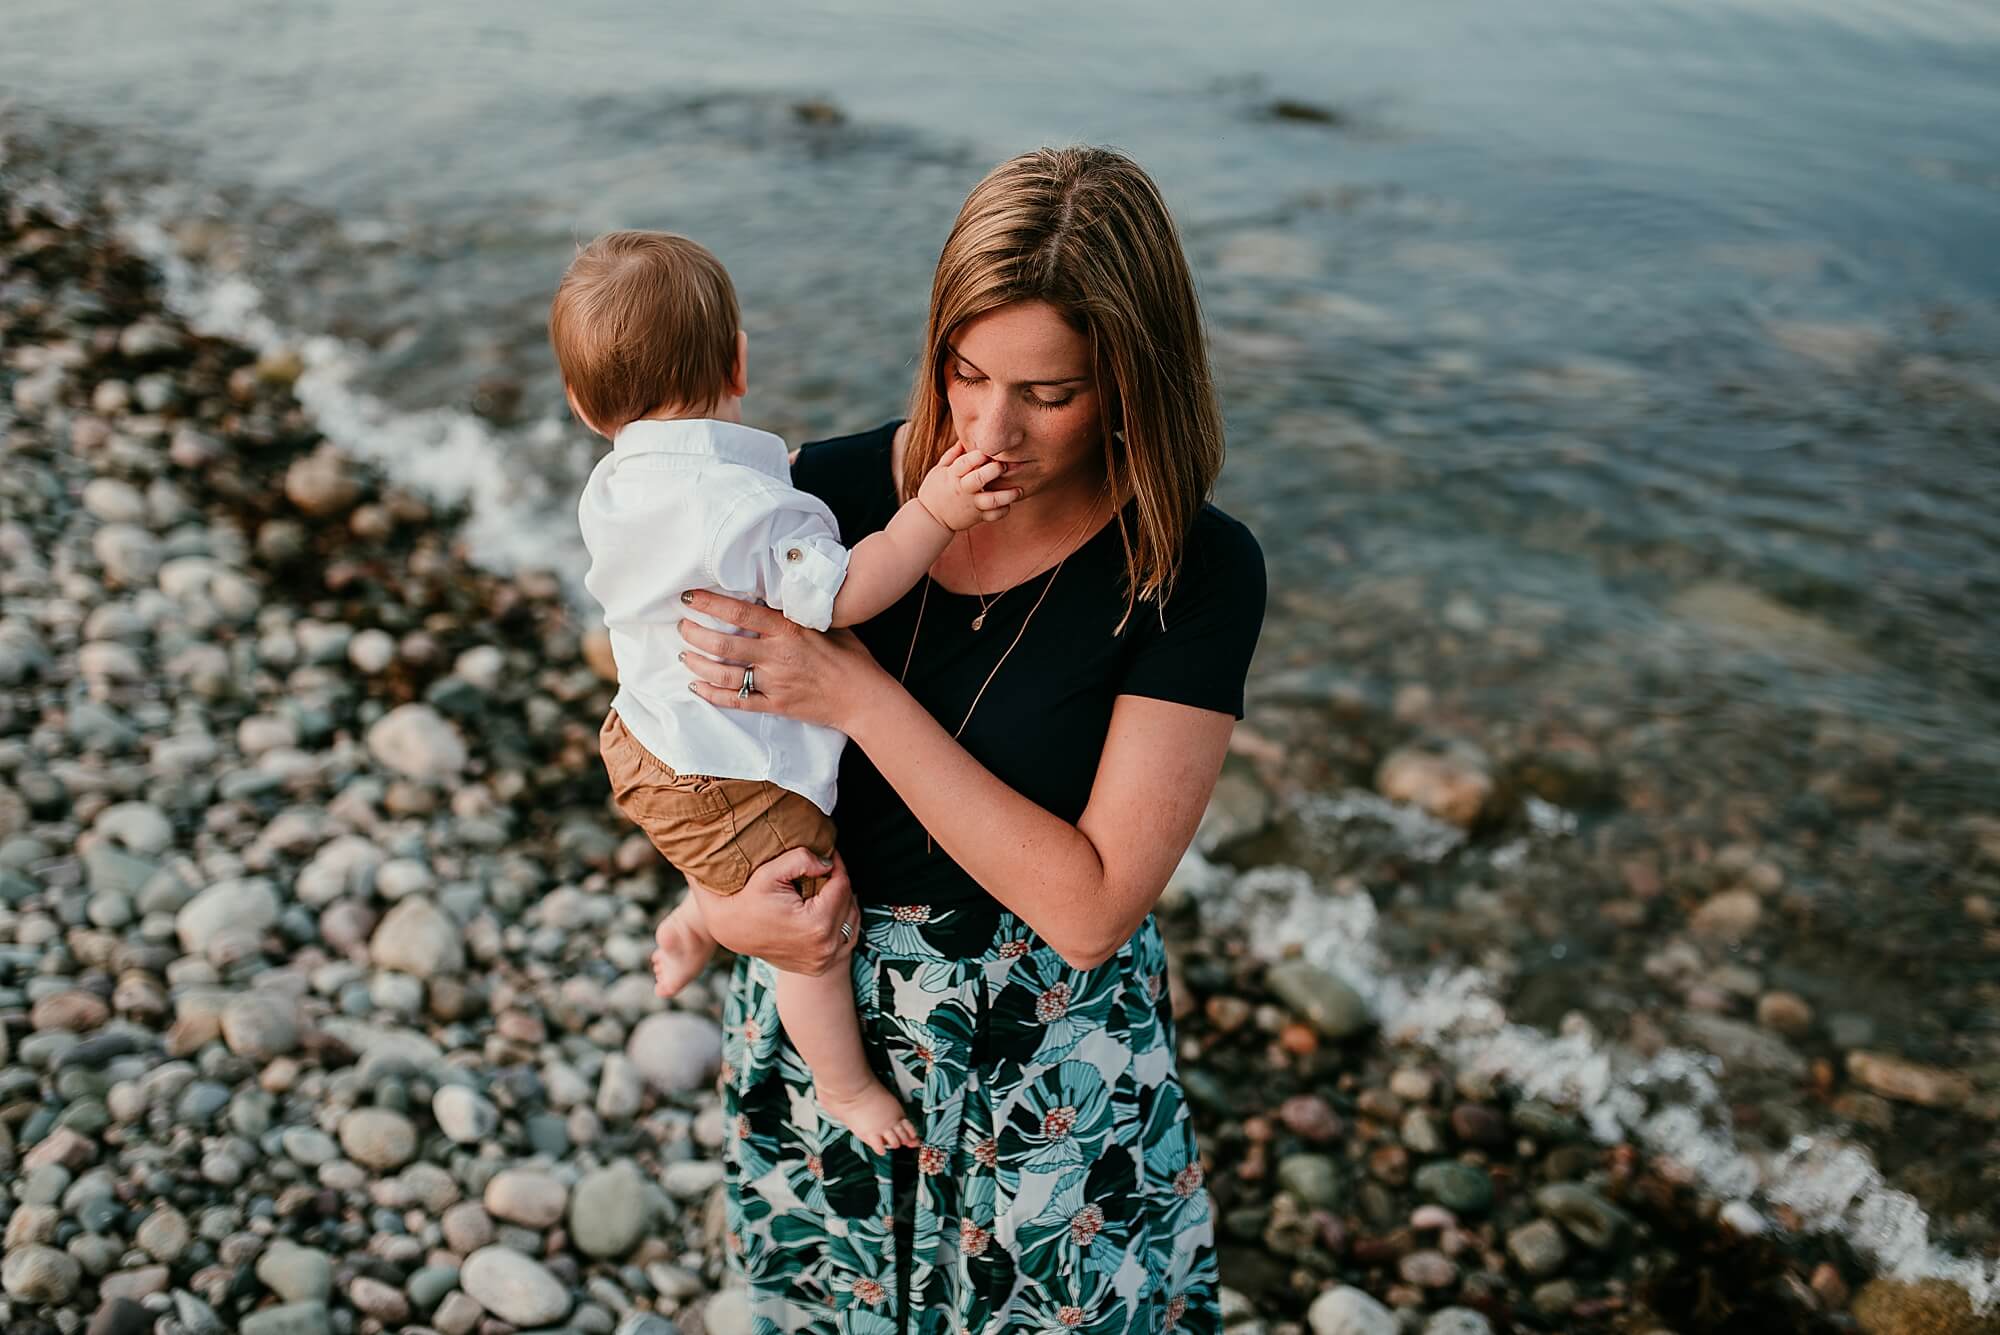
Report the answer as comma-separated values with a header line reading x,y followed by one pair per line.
x,y
996,431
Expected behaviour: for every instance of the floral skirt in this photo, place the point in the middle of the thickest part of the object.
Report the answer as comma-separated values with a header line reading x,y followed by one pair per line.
x,y
1058,1186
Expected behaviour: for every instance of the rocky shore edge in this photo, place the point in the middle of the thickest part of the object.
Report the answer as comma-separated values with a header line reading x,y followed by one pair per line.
x,y
323,993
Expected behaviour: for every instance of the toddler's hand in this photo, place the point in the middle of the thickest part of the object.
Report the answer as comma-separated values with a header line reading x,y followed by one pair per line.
x,y
955,490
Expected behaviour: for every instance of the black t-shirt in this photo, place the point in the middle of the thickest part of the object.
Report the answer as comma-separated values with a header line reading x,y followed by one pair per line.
x,y
1041,725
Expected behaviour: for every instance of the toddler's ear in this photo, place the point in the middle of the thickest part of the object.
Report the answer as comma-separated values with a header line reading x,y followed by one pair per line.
x,y
581,416
739,374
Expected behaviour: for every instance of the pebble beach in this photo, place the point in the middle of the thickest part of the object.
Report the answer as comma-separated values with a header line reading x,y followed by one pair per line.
x,y
324,1000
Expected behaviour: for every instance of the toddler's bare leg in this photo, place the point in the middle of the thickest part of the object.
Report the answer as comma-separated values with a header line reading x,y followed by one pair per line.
x,y
819,1015
684,946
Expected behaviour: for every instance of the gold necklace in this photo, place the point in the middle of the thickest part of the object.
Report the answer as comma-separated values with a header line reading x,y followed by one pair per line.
x,y
930,844
923,602
985,603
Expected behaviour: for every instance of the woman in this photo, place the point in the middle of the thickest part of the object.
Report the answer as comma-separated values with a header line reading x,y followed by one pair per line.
x,y
1036,730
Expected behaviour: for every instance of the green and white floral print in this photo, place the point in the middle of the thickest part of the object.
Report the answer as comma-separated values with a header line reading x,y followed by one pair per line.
x,y
1058,1188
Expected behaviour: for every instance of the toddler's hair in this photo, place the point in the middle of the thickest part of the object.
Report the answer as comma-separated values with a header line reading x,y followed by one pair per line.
x,y
641,321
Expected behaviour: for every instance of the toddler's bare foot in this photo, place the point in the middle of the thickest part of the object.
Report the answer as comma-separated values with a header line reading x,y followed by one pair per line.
x,y
681,956
870,1112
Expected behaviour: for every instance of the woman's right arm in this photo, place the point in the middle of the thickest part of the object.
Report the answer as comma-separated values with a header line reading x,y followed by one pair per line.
x,y
768,919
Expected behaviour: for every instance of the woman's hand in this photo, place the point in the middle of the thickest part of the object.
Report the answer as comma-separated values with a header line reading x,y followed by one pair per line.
x,y
766,918
814,676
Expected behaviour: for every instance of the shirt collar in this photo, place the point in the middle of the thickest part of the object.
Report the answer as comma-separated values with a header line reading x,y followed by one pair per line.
x,y
730,442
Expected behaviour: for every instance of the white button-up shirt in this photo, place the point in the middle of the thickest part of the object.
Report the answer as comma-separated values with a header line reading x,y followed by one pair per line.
x,y
704,504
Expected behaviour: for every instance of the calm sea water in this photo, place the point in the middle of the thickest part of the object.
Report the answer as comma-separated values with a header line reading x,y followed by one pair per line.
x,y
1626,369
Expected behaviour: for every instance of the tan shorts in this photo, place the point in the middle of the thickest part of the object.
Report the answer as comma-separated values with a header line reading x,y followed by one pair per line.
x,y
714,830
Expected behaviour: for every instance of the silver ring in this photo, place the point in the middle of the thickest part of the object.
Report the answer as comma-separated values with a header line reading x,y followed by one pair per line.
x,y
749,685
847,931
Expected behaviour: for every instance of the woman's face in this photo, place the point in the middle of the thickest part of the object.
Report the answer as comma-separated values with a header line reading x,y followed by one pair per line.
x,y
1020,384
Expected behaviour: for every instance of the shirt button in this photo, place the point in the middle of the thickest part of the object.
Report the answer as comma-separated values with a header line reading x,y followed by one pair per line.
x,y
792,555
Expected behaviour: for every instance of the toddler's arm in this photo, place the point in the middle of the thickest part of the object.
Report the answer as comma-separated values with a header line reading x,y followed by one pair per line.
x,y
884,566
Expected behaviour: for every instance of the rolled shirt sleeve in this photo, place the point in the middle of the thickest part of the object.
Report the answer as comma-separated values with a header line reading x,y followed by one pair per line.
x,y
785,548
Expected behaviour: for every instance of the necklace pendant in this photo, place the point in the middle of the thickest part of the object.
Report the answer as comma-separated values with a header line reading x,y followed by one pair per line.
x,y
979,622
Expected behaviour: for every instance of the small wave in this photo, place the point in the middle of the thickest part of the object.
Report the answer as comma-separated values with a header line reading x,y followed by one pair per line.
x,y
1671,1103
513,520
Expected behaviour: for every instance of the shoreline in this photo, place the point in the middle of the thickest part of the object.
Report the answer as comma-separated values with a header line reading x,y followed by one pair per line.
x,y
324,829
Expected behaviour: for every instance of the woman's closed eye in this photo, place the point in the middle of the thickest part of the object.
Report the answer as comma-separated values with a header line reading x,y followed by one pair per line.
x,y
1033,399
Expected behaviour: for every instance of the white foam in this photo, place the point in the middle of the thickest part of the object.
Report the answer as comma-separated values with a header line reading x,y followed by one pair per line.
x,y
513,521
1671,1104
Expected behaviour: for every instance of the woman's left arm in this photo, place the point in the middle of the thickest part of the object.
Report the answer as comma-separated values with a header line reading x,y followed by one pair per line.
x,y
1083,888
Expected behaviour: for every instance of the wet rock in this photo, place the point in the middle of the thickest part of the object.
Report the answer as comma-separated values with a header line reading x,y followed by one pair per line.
x,y
75,1010
228,909
1428,1269
416,742
1729,916
1479,1124
1460,1187
464,1115
1239,807
691,1179
165,1235
300,1318
40,1274
1457,1321
514,1287
384,1302
130,555
418,938
1907,1081
121,1316
1310,1117
137,827
1786,1013
608,1212
676,1052
259,1028
1349,1311
1453,783
1589,1218
1537,1247
1313,1178
1333,1008
322,483
1744,1048
378,1138
529,1198
295,1273
1922,1307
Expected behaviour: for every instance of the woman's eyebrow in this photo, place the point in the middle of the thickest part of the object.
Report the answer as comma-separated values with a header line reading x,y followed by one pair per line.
x,y
1066,380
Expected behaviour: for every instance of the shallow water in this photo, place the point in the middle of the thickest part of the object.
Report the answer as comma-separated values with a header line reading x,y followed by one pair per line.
x,y
1628,377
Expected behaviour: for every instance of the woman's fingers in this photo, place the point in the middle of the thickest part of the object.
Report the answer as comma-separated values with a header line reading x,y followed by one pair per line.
x,y
717,674
749,616
720,644
795,864
732,697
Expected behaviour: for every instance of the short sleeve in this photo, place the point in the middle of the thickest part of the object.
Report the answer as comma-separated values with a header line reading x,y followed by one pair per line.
x,y
786,550
1196,651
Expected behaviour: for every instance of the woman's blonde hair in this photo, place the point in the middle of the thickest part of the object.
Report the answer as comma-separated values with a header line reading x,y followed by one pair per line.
x,y
1085,230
